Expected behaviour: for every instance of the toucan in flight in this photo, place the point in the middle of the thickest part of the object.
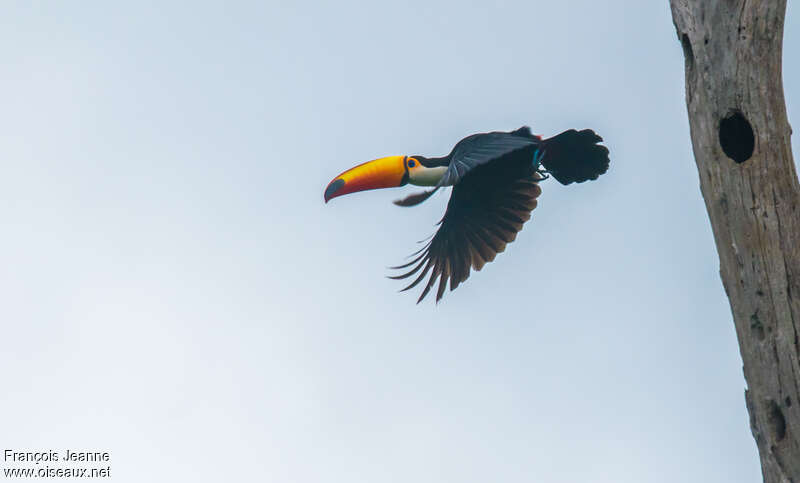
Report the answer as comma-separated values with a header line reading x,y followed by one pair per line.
x,y
495,178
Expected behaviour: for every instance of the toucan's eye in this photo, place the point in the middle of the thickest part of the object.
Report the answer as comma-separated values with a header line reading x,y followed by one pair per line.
x,y
411,163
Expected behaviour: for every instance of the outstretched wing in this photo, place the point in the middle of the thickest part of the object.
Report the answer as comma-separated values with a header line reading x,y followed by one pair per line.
x,y
487,209
415,198
479,149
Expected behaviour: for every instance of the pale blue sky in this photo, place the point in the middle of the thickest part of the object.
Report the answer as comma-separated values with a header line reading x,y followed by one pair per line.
x,y
175,291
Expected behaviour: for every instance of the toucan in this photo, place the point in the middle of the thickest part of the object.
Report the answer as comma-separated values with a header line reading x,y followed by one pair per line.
x,y
495,178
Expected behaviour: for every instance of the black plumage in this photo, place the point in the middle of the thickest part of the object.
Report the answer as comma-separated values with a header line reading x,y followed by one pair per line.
x,y
575,156
495,180
487,209
479,149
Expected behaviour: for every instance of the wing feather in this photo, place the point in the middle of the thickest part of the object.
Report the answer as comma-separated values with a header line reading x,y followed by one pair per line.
x,y
479,149
487,208
443,279
428,263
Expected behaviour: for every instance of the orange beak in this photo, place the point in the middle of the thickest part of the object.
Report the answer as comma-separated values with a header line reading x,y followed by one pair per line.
x,y
380,173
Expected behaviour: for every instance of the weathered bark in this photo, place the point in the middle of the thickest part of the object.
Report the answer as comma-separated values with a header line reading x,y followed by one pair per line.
x,y
741,140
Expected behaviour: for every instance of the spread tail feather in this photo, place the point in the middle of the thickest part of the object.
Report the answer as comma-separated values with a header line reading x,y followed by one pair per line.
x,y
575,156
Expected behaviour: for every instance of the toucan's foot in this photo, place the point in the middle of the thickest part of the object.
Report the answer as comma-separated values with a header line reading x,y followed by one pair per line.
x,y
543,174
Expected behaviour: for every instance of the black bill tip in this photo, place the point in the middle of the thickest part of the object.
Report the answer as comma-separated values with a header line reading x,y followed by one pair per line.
x,y
332,188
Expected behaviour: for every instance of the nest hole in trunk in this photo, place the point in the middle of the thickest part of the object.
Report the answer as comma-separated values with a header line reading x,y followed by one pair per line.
x,y
736,137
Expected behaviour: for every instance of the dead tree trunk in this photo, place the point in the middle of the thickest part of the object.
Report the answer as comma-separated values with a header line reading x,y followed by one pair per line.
x,y
741,140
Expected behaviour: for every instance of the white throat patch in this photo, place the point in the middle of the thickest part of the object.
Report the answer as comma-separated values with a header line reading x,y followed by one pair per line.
x,y
426,176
